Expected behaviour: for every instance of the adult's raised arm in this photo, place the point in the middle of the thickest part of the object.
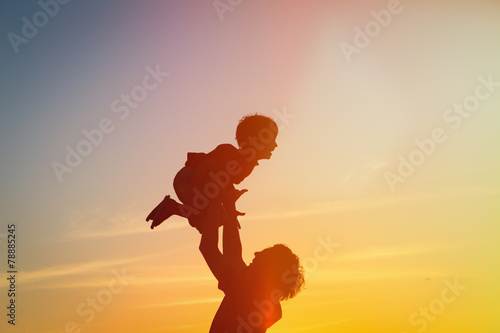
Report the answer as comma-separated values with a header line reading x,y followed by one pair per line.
x,y
231,241
209,243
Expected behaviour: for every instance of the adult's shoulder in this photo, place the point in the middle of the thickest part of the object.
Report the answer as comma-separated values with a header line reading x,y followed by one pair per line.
x,y
274,313
232,278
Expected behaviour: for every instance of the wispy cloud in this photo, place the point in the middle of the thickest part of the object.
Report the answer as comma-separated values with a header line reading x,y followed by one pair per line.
x,y
86,232
365,172
102,224
313,328
387,252
63,272
340,269
76,274
177,328
365,204
200,301
75,269
332,207
339,275
186,278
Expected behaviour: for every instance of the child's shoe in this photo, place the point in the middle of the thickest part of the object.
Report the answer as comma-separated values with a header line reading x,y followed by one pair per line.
x,y
163,211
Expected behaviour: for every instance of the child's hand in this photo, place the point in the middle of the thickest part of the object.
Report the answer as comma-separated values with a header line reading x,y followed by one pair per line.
x,y
232,196
236,194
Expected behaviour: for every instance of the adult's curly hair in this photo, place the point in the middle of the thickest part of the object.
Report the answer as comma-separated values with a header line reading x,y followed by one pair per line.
x,y
286,272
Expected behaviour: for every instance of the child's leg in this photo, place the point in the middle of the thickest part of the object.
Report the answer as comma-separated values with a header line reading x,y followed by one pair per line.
x,y
195,221
169,207
183,187
163,211
214,210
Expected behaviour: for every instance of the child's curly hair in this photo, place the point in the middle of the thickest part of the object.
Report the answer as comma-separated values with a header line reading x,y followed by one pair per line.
x,y
252,125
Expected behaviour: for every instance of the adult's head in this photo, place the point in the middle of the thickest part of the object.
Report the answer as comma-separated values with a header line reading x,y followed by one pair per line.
x,y
277,269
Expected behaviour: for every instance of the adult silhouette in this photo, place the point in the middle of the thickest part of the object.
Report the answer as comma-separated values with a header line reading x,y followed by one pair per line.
x,y
252,292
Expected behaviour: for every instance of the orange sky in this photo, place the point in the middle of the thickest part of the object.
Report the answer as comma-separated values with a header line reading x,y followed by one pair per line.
x,y
416,255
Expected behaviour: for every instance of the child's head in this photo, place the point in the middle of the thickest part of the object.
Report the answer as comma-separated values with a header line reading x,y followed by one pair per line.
x,y
257,132
279,269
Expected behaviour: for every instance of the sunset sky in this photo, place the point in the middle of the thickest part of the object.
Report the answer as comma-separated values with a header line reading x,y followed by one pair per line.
x,y
385,182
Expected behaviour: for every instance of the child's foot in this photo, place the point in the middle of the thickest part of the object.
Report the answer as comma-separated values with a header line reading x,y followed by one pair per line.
x,y
163,211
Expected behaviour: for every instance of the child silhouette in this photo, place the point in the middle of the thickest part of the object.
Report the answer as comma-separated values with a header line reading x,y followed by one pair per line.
x,y
208,179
